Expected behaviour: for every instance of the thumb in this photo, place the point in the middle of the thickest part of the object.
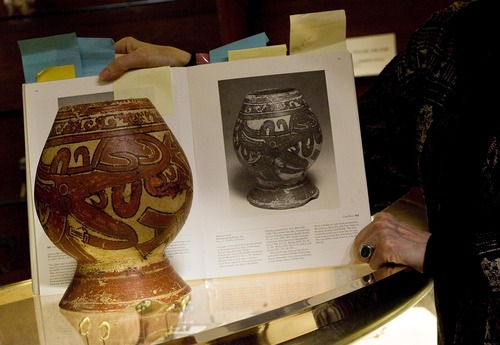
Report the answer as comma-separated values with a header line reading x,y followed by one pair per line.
x,y
117,68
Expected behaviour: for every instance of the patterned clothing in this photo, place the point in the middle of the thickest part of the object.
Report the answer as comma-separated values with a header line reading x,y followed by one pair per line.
x,y
432,119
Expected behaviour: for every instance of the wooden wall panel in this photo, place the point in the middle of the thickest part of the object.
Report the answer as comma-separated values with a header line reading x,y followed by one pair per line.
x,y
364,17
189,25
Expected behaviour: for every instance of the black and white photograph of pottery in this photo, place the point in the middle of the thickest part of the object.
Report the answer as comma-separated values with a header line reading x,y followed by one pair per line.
x,y
279,155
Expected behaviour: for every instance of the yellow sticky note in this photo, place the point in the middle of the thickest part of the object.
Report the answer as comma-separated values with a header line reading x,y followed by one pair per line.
x,y
318,32
153,83
56,73
250,53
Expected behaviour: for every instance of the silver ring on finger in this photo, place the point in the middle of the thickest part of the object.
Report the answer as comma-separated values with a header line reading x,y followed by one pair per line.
x,y
366,251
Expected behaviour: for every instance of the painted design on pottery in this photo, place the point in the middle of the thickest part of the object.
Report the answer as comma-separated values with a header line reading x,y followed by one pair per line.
x,y
277,138
113,187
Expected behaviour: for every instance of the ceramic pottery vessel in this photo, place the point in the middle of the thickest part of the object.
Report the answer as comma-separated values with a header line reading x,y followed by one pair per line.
x,y
113,188
277,138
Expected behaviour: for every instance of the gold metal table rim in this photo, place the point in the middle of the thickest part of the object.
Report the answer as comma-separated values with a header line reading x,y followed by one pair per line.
x,y
338,316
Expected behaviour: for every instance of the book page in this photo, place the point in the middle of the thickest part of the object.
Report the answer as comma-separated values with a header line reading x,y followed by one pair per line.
x,y
241,238
52,270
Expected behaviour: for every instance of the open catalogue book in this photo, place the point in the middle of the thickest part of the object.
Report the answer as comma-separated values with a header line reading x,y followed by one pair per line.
x,y
225,235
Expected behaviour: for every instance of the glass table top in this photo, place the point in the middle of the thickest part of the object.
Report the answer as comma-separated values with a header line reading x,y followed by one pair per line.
x,y
315,306
345,302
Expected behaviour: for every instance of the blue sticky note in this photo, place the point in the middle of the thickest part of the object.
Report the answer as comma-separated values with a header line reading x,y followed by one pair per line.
x,y
95,53
88,55
41,53
255,41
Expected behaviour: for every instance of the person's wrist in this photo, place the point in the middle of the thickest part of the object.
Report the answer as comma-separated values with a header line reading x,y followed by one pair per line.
x,y
198,59
192,60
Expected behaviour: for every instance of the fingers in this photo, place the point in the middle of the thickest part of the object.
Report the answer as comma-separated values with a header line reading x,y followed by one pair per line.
x,y
390,241
115,69
373,236
367,235
138,54
131,58
128,44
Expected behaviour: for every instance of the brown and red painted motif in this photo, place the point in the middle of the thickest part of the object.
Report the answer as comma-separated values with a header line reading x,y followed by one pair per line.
x,y
112,182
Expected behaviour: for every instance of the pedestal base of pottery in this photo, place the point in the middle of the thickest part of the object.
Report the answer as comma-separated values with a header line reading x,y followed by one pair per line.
x,y
95,290
281,196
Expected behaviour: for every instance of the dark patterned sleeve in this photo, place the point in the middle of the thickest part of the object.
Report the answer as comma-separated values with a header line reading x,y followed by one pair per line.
x,y
388,135
416,81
